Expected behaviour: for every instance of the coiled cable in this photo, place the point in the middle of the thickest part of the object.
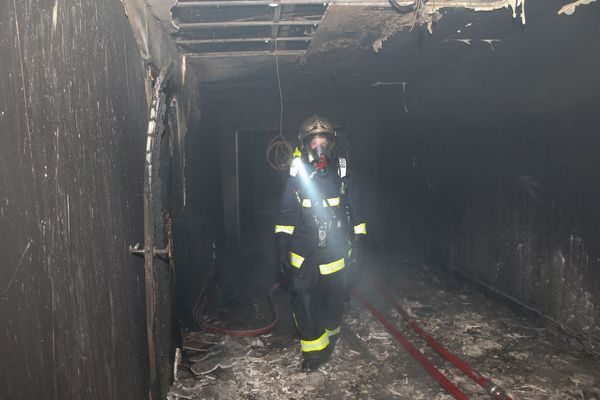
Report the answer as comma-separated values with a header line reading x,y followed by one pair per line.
x,y
279,151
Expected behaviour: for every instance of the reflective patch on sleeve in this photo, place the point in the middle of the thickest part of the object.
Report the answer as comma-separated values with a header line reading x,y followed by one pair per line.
x,y
315,345
306,203
360,229
332,267
289,229
296,259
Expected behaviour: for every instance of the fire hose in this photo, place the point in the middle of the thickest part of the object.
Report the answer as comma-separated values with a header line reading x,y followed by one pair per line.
x,y
495,391
199,313
413,351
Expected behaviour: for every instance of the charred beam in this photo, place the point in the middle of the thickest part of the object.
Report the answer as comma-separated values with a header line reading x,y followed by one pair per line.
x,y
244,40
245,24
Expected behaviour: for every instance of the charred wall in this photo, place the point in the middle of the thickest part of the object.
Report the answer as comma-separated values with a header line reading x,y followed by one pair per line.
x,y
72,121
202,228
499,166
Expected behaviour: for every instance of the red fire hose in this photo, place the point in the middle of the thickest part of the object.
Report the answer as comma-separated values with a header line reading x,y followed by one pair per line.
x,y
199,313
421,359
495,391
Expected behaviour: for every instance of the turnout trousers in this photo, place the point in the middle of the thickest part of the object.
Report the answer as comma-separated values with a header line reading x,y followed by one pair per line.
x,y
318,300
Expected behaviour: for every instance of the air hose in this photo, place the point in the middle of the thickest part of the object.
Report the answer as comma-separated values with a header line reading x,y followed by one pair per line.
x,y
199,319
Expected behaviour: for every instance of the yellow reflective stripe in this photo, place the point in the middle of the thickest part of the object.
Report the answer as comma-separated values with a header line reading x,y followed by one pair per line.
x,y
315,345
332,267
360,229
289,229
333,202
296,259
331,333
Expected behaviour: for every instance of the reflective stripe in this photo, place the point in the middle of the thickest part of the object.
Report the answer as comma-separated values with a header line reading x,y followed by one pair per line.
x,y
315,345
332,267
333,202
296,259
334,332
350,252
360,229
289,229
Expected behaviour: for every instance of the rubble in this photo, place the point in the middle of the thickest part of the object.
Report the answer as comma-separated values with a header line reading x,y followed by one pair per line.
x,y
525,359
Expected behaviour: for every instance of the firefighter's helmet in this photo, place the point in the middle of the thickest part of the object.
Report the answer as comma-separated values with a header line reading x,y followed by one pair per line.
x,y
311,128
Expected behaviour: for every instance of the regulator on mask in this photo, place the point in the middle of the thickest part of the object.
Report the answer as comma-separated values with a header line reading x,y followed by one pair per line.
x,y
319,153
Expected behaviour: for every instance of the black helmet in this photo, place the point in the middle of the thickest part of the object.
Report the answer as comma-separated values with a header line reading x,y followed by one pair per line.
x,y
312,127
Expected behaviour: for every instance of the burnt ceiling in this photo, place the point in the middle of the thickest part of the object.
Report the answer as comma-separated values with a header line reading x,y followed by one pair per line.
x,y
340,47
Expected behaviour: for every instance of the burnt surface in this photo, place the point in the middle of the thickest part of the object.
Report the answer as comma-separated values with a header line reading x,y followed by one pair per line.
x,y
497,164
201,224
72,123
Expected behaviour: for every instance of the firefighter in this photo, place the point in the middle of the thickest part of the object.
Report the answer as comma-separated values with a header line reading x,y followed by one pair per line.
x,y
320,234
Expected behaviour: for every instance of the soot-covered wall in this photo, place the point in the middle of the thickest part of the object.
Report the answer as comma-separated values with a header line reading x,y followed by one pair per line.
x,y
202,225
498,160
72,127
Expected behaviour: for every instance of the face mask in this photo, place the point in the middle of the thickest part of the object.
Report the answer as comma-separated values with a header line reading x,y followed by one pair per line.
x,y
321,149
316,151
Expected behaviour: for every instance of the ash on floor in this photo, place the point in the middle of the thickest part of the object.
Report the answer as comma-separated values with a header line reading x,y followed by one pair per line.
x,y
525,359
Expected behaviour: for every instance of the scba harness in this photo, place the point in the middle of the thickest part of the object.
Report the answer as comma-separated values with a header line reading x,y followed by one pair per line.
x,y
326,212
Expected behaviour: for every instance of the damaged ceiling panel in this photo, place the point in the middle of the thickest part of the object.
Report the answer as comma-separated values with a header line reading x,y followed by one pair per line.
x,y
245,28
230,38
234,38
569,9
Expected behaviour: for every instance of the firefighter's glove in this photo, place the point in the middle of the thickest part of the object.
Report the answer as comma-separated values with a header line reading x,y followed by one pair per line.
x,y
285,266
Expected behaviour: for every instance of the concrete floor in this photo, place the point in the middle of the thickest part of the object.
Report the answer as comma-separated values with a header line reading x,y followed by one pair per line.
x,y
517,353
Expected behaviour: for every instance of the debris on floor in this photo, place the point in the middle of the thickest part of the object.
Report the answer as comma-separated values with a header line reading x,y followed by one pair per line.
x,y
525,359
